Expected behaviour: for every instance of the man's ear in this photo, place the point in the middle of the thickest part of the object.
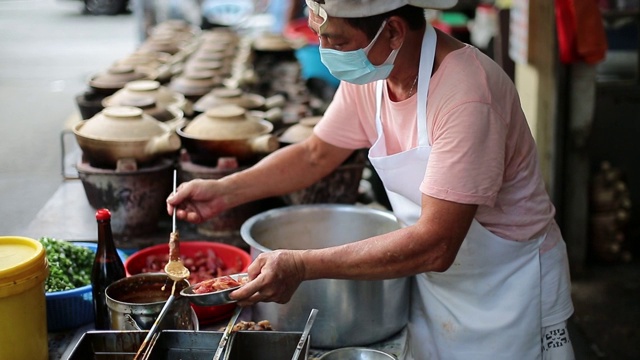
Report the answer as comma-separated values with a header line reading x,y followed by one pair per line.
x,y
397,29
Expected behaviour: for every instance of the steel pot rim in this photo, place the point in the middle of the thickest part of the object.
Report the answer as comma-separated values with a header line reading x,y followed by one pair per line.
x,y
245,229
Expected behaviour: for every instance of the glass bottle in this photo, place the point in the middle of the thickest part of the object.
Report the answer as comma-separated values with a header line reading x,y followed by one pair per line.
x,y
107,268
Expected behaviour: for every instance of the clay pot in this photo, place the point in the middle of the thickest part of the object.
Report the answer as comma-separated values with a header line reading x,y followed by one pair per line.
x,y
221,35
272,42
194,83
124,132
166,43
171,115
215,67
227,96
299,131
117,76
157,61
227,131
135,91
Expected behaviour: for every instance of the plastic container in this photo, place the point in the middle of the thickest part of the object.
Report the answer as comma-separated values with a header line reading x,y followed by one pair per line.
x,y
231,256
72,308
23,319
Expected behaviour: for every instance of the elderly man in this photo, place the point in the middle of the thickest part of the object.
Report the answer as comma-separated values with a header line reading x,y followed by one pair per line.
x,y
447,135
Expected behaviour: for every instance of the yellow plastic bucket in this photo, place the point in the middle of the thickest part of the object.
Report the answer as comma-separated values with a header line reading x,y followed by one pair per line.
x,y
23,311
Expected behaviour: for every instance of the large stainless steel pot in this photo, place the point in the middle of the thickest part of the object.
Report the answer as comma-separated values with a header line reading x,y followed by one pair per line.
x,y
352,313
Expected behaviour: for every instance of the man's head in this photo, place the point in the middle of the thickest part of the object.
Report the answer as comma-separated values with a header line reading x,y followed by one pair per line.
x,y
362,8
367,15
360,39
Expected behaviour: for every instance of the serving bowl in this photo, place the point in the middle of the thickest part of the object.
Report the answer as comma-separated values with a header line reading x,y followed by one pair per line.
x,y
356,353
229,260
220,297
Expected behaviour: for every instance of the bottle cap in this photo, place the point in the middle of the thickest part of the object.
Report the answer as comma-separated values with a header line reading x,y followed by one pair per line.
x,y
103,214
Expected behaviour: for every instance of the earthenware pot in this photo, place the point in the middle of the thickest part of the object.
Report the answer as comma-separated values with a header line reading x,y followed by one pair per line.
x,y
299,131
226,96
117,76
227,131
124,132
194,83
138,90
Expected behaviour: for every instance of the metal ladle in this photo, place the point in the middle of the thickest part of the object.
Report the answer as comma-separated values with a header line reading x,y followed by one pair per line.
x,y
227,333
305,333
175,269
151,335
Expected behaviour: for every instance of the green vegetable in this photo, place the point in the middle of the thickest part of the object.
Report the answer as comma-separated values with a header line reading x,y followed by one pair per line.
x,y
69,264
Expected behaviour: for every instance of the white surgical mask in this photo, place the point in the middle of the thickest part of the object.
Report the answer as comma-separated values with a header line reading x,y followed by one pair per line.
x,y
354,66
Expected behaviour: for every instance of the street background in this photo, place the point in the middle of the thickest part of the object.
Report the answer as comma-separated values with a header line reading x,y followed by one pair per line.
x,y
48,50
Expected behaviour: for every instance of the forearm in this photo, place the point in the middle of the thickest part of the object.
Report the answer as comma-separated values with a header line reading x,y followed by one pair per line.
x,y
289,169
429,245
400,253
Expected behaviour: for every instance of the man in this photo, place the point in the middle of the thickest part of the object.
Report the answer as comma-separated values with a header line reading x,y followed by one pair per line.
x,y
451,144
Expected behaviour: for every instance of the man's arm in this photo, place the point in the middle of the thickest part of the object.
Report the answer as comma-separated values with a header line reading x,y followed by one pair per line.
x,y
289,169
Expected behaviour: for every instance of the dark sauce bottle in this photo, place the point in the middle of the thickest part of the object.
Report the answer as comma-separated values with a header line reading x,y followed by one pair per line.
x,y
107,268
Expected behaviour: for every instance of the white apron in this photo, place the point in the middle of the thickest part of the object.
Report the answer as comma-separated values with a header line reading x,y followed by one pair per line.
x,y
487,304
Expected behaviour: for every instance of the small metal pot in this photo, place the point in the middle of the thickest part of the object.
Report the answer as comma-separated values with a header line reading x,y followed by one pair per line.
x,y
352,313
141,297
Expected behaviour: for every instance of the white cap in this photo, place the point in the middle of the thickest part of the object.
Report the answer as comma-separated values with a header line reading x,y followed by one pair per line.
x,y
364,8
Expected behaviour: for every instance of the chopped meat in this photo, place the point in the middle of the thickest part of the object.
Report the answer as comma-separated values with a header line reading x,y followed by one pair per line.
x,y
203,265
263,325
217,284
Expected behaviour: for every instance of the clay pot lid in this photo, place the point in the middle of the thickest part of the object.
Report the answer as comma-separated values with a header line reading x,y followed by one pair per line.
x,y
118,123
226,122
198,65
117,76
202,55
145,58
194,83
224,96
142,102
138,92
162,43
300,131
219,34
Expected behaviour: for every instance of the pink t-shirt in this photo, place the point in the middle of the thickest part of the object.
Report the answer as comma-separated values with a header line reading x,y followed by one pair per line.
x,y
482,149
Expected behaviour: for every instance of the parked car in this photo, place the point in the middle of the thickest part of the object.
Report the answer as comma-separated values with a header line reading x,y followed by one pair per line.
x,y
105,7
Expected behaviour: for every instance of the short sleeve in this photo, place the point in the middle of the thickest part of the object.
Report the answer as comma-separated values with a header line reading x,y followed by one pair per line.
x,y
347,122
467,158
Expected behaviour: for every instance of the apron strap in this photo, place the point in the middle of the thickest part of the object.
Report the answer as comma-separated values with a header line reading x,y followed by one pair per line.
x,y
379,85
427,57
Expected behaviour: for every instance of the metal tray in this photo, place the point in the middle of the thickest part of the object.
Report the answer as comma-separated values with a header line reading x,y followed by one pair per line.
x,y
189,345
112,345
266,345
185,345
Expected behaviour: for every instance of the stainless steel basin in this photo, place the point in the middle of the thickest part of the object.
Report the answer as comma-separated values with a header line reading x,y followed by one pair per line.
x,y
352,313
